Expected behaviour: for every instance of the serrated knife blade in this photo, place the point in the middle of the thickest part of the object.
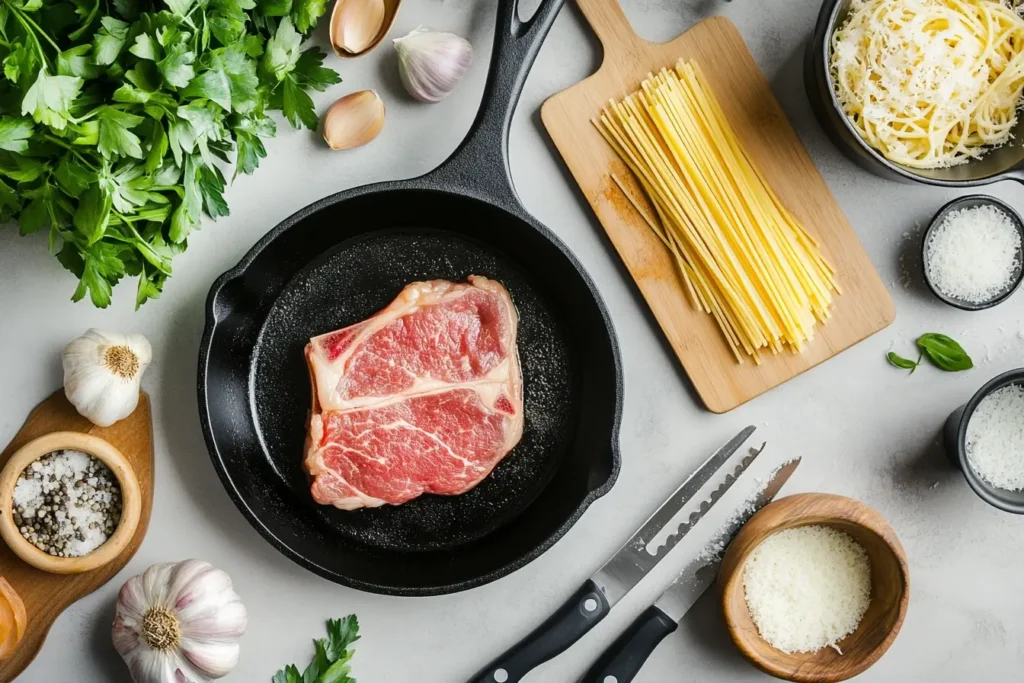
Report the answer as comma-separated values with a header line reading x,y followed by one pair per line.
x,y
636,557
701,572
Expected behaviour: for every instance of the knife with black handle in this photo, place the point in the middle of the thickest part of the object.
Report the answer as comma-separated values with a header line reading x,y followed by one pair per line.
x,y
596,597
621,662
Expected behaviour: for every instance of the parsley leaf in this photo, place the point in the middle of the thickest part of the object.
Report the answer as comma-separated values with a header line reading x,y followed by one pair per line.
x,y
289,674
214,85
72,177
15,133
310,74
49,99
282,50
297,105
250,151
78,61
179,7
115,136
109,40
93,213
176,67
331,655
20,64
275,8
146,47
305,13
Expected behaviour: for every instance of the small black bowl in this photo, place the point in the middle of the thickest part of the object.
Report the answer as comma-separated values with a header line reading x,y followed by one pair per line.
x,y
955,437
968,202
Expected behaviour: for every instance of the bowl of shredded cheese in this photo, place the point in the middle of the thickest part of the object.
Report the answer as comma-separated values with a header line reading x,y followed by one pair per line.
x,y
922,90
971,252
985,439
815,587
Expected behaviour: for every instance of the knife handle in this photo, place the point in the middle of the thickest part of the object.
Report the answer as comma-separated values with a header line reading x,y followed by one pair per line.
x,y
621,662
571,622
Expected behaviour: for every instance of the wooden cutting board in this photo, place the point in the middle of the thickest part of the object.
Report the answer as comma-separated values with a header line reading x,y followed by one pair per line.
x,y
47,595
865,306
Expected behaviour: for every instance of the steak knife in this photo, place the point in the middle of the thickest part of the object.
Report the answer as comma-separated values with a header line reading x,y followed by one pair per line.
x,y
596,597
626,656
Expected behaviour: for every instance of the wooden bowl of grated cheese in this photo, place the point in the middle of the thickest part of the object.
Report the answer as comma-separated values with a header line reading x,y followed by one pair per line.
x,y
814,588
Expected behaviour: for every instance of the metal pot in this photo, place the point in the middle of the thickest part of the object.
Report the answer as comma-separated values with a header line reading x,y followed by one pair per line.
x,y
1003,163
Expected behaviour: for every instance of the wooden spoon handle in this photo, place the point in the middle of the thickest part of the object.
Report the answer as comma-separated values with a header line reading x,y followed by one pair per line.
x,y
609,22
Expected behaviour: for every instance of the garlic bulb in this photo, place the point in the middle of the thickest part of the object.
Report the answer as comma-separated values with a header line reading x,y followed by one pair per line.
x,y
431,63
102,374
353,120
179,623
355,25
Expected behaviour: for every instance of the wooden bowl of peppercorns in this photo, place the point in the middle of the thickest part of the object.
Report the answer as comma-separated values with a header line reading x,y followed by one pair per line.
x,y
69,502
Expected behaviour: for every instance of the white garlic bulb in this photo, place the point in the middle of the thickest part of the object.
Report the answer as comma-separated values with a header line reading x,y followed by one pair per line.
x,y
102,374
179,623
431,63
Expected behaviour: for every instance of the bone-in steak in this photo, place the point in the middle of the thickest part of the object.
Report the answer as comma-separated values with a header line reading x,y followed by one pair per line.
x,y
424,397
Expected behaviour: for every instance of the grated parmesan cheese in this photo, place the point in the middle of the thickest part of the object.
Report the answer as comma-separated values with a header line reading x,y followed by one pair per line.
x,y
995,438
973,254
807,588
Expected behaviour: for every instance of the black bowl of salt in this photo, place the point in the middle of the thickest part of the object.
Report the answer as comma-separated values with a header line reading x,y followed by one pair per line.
x,y
972,252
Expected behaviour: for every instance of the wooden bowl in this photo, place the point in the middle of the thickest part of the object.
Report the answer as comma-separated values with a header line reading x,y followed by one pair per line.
x,y
890,588
131,502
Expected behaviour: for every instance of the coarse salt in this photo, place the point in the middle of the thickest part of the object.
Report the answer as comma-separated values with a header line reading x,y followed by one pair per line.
x,y
807,588
67,503
995,438
973,254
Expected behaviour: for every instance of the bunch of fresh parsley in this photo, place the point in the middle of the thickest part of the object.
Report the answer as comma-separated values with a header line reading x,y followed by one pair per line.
x,y
118,117
332,654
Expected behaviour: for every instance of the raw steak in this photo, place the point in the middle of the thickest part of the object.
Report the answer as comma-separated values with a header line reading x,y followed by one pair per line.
x,y
424,397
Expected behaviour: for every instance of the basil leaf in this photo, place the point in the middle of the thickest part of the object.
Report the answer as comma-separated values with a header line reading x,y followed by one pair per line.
x,y
901,362
944,352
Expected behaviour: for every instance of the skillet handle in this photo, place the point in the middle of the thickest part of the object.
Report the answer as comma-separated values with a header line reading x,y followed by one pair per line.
x,y
569,623
480,163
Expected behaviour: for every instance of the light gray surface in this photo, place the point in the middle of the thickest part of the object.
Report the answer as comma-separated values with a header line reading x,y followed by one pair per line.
x,y
864,429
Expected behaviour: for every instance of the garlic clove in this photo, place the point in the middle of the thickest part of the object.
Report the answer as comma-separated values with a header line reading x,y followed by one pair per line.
x,y
215,659
355,25
431,63
353,120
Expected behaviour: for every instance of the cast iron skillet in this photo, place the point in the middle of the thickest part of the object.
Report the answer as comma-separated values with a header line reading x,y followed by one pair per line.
x,y
341,260
1004,163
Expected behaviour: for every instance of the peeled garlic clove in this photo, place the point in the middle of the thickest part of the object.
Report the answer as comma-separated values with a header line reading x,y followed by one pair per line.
x,y
353,120
355,25
431,63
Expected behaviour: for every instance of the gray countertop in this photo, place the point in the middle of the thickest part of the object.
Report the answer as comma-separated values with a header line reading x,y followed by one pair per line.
x,y
864,429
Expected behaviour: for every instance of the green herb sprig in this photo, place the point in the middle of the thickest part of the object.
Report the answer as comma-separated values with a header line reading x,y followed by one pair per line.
x,y
944,352
331,659
117,117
